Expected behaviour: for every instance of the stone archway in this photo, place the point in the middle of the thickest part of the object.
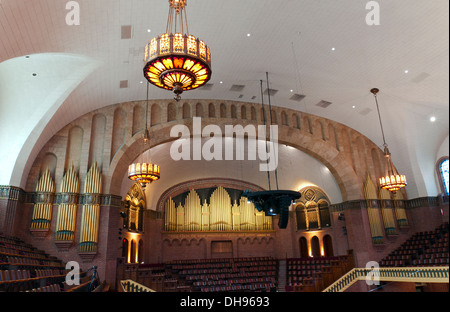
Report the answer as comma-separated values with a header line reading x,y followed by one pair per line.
x,y
336,162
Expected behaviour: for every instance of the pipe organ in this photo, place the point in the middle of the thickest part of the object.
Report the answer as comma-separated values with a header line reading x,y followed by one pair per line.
x,y
373,211
216,213
42,212
67,210
91,210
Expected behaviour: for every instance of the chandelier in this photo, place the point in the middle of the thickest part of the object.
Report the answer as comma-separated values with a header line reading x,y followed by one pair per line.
x,y
392,180
177,61
143,172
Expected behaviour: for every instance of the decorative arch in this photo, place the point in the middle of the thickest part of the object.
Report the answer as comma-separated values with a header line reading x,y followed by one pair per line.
x,y
337,163
312,209
211,110
340,163
186,111
171,112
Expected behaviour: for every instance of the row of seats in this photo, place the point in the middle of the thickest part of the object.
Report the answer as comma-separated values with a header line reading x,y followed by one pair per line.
x,y
14,275
7,250
264,287
227,264
54,288
24,261
427,248
299,270
24,268
217,277
241,274
240,281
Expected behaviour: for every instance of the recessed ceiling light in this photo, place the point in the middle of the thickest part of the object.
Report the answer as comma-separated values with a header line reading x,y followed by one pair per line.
x,y
248,35
433,119
141,82
292,91
221,82
353,106
333,49
149,30
406,71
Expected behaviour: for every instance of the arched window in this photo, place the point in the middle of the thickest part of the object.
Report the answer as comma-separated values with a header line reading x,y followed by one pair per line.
x,y
315,247
140,251
132,252
125,249
303,248
328,246
301,217
442,171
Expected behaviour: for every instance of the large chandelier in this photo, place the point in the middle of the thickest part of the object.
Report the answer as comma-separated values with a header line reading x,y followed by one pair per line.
x,y
144,172
392,180
177,61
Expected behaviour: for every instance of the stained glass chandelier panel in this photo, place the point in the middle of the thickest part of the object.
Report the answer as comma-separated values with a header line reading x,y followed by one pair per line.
x,y
177,61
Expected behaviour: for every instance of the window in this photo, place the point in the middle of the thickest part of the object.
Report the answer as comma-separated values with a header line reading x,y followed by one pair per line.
x,y
442,171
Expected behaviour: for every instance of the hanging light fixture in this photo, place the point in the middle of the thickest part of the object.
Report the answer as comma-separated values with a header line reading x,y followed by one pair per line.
x,y
177,61
143,172
392,180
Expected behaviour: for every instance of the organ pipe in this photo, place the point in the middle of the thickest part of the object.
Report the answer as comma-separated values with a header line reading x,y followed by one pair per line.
x,y
91,211
42,211
220,215
373,211
65,227
387,213
400,212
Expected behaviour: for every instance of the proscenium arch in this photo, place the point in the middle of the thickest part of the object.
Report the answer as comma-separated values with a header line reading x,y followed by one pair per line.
x,y
349,183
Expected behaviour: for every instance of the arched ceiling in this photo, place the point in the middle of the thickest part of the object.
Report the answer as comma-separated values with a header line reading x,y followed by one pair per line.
x,y
321,49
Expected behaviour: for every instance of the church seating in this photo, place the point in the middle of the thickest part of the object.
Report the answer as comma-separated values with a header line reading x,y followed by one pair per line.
x,y
250,274
24,268
427,248
303,271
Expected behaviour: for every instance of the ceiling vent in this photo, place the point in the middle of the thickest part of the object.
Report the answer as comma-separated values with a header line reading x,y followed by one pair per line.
x,y
324,104
421,77
136,51
297,97
272,92
124,84
207,87
126,32
365,111
237,88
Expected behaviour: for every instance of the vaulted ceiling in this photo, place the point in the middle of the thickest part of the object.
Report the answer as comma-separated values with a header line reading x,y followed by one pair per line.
x,y
320,50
